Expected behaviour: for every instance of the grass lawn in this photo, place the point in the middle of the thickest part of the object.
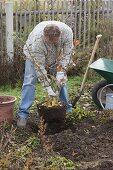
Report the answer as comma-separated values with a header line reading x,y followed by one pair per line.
x,y
72,84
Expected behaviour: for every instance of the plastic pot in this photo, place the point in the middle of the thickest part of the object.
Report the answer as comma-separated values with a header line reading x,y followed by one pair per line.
x,y
7,108
52,114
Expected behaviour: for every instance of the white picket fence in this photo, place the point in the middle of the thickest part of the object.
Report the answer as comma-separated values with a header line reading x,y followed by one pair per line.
x,y
20,17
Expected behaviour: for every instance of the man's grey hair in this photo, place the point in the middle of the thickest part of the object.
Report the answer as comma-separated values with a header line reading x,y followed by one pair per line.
x,y
52,30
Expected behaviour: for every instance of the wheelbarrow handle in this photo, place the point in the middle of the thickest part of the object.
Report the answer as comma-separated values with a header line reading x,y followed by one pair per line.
x,y
98,37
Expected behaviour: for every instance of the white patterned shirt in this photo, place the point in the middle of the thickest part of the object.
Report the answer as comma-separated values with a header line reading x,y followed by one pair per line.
x,y
46,56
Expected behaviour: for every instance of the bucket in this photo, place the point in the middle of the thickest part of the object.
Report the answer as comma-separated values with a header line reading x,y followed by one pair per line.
x,y
52,114
7,108
109,99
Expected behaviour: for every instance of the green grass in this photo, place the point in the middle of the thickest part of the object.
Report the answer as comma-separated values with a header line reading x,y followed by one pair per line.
x,y
8,90
73,85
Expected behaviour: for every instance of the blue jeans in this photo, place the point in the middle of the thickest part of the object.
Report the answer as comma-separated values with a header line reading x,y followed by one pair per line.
x,y
28,91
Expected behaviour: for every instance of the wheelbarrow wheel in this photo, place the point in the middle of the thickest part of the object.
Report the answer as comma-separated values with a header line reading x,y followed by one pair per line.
x,y
96,92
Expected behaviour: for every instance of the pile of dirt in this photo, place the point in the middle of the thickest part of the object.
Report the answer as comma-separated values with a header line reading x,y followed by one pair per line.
x,y
88,144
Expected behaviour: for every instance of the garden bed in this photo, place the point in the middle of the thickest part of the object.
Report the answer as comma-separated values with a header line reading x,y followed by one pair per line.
x,y
78,144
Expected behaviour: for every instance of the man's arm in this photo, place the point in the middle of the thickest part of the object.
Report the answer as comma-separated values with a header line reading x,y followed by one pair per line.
x,y
34,50
67,49
39,63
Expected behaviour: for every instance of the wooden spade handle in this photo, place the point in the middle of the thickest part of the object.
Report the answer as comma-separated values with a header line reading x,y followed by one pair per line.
x,y
98,37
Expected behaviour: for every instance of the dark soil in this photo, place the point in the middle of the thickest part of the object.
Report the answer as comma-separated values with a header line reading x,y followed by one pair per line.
x,y
88,142
4,99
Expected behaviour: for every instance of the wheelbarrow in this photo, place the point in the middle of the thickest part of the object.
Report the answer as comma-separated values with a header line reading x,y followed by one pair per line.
x,y
103,67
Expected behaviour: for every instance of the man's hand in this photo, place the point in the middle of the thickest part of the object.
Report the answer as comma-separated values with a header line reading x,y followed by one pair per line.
x,y
61,78
71,65
67,66
50,92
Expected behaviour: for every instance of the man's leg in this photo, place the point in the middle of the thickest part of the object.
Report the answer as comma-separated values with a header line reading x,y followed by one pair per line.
x,y
63,97
28,90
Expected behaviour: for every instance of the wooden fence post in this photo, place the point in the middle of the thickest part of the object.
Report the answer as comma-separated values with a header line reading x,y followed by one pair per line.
x,y
9,30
